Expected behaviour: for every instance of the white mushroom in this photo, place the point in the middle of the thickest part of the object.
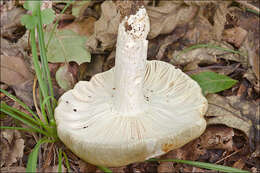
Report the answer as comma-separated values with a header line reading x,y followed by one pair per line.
x,y
137,110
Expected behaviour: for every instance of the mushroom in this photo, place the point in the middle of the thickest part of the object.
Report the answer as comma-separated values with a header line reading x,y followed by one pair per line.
x,y
135,111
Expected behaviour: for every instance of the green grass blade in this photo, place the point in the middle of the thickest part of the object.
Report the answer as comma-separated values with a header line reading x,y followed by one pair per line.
x,y
33,157
203,165
20,103
23,120
5,106
66,161
45,67
18,128
45,101
104,169
60,160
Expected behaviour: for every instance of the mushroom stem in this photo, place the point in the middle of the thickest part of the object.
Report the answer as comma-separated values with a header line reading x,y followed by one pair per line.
x,y
130,63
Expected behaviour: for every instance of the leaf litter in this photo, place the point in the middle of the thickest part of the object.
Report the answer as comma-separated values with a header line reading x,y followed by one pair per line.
x,y
232,117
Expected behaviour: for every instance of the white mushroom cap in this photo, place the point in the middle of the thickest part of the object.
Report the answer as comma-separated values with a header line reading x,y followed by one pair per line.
x,y
133,112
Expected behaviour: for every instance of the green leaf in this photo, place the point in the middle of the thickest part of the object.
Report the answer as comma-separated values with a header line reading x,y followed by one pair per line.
x,y
33,157
48,15
67,46
203,165
32,6
29,21
212,82
66,161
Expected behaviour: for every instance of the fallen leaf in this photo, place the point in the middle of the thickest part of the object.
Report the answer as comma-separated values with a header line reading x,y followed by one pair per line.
x,y
55,168
65,78
86,167
14,70
217,137
67,46
239,164
167,16
221,112
163,20
11,27
87,70
84,27
235,36
24,91
220,18
105,28
12,147
13,169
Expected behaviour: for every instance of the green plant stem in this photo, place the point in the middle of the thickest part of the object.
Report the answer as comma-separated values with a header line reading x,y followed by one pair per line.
x,y
55,25
43,87
45,62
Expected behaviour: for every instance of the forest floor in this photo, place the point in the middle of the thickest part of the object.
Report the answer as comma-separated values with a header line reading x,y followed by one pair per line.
x,y
195,36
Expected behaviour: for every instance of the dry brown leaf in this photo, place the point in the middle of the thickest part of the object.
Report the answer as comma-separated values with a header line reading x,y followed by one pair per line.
x,y
12,147
10,22
92,68
217,137
200,31
163,20
24,91
220,18
235,36
239,164
14,70
221,112
84,27
200,55
86,167
55,169
105,28
13,169
168,15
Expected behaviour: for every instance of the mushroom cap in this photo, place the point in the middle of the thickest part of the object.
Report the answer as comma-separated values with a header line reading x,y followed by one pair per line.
x,y
89,125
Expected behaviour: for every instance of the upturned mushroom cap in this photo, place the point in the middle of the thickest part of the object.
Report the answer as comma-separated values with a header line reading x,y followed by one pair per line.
x,y
91,125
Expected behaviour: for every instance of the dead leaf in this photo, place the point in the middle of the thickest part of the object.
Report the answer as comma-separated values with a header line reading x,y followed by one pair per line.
x,y
24,91
84,27
220,18
235,36
12,147
200,30
239,164
221,111
13,169
11,23
55,169
65,77
200,55
92,68
217,137
86,167
167,16
163,20
14,70
105,28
